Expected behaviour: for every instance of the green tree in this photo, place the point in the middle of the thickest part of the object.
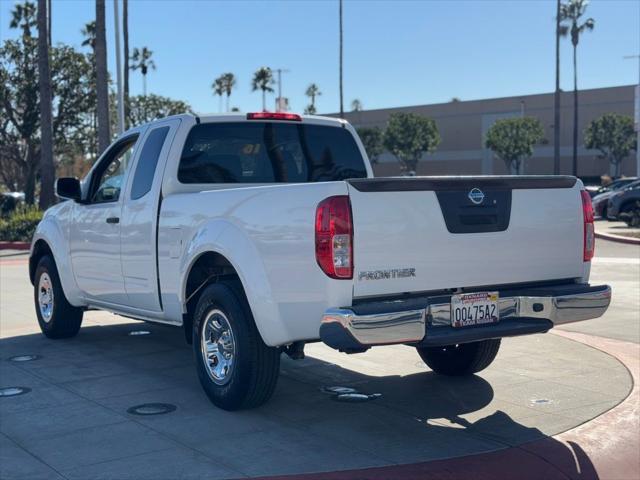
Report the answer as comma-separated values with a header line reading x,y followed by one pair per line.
x,y
19,110
146,108
263,80
613,136
89,34
372,140
408,136
142,61
23,16
102,78
571,14
356,105
512,140
312,92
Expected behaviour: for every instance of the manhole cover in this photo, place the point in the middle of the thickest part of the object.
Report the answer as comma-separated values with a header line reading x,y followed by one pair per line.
x,y
13,391
152,409
135,333
338,390
356,397
24,358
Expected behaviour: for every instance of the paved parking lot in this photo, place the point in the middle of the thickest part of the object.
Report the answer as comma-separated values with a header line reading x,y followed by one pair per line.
x,y
73,423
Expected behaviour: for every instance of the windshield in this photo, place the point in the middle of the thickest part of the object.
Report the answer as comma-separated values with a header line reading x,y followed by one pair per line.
x,y
266,152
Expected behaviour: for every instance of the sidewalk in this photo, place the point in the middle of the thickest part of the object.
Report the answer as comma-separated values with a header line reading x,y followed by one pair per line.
x,y
617,232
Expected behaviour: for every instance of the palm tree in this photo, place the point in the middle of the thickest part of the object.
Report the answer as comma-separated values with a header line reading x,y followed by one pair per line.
x,y
102,78
263,80
356,105
24,16
142,60
312,92
89,34
571,13
228,82
46,125
341,96
218,90
125,38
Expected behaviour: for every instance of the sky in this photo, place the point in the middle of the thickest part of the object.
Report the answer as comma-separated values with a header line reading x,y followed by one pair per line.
x,y
396,52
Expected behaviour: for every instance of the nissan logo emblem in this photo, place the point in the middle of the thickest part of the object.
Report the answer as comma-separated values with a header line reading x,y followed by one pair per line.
x,y
476,196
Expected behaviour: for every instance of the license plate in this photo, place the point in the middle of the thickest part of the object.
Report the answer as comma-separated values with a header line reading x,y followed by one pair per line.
x,y
478,308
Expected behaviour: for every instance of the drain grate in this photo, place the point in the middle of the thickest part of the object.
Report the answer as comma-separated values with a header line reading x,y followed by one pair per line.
x,y
135,333
152,409
13,391
24,358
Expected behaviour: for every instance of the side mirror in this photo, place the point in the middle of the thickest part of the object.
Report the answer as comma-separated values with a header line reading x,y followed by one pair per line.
x,y
69,187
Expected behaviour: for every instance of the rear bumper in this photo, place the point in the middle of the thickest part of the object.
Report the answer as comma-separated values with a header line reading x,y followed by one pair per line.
x,y
426,320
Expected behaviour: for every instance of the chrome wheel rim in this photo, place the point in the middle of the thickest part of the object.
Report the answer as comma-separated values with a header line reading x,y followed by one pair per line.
x,y
45,297
218,347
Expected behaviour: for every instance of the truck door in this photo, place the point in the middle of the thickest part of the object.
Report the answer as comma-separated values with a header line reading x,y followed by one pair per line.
x,y
138,235
95,230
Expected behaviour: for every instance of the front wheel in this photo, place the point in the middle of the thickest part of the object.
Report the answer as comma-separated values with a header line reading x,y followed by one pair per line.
x,y
235,367
56,316
460,359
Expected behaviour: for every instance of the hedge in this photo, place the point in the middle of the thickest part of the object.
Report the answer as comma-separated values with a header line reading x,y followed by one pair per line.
x,y
20,225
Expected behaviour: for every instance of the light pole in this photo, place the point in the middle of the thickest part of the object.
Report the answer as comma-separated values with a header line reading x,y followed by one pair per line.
x,y
279,100
116,16
556,99
637,113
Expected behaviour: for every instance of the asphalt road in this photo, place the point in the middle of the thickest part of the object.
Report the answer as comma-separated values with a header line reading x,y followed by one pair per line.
x,y
73,423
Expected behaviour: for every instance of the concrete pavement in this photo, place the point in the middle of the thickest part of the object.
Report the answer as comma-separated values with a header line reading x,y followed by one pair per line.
x,y
74,421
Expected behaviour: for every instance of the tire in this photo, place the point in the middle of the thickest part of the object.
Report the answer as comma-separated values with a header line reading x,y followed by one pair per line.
x,y
462,359
56,316
240,372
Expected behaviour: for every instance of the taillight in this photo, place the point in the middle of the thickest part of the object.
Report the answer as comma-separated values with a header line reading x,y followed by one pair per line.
x,y
589,233
334,237
293,117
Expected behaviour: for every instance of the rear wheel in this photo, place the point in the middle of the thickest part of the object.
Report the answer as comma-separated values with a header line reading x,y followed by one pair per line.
x,y
56,316
460,359
235,367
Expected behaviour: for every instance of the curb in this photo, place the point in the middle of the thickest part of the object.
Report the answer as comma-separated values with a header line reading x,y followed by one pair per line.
x,y
614,238
15,245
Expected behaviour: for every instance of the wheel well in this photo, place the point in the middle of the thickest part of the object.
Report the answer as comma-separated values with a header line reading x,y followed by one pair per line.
x,y
40,249
210,267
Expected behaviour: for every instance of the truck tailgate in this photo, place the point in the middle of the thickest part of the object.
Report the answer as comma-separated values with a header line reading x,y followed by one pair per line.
x,y
434,233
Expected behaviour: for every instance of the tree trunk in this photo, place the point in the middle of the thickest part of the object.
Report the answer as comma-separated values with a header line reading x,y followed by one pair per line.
x,y
575,112
125,36
46,127
264,100
49,21
102,79
228,102
29,186
144,84
341,96
556,99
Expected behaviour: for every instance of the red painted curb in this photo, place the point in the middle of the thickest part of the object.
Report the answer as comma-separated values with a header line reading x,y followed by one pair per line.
x,y
15,245
618,238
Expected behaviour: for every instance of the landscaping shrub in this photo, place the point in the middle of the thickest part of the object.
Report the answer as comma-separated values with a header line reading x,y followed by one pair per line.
x,y
20,225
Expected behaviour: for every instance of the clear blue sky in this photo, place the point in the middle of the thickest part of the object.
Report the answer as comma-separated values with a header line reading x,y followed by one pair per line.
x,y
395,52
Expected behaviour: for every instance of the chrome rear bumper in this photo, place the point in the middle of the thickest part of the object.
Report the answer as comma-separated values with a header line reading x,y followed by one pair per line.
x,y
427,320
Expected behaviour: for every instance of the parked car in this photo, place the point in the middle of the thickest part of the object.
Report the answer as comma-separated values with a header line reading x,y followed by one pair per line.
x,y
614,185
623,200
9,201
601,201
258,233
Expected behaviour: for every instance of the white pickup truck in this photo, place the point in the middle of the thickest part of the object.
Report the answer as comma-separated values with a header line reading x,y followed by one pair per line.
x,y
258,233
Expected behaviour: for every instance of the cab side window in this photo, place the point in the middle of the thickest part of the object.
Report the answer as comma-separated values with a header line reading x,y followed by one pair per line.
x,y
108,179
146,168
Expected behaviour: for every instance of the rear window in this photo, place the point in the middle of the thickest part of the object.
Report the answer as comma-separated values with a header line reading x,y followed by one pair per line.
x,y
266,152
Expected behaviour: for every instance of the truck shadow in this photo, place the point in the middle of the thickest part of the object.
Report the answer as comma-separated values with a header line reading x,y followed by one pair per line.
x,y
419,420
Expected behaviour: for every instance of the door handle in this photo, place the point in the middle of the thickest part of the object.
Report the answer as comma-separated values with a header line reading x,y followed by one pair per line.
x,y
113,220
